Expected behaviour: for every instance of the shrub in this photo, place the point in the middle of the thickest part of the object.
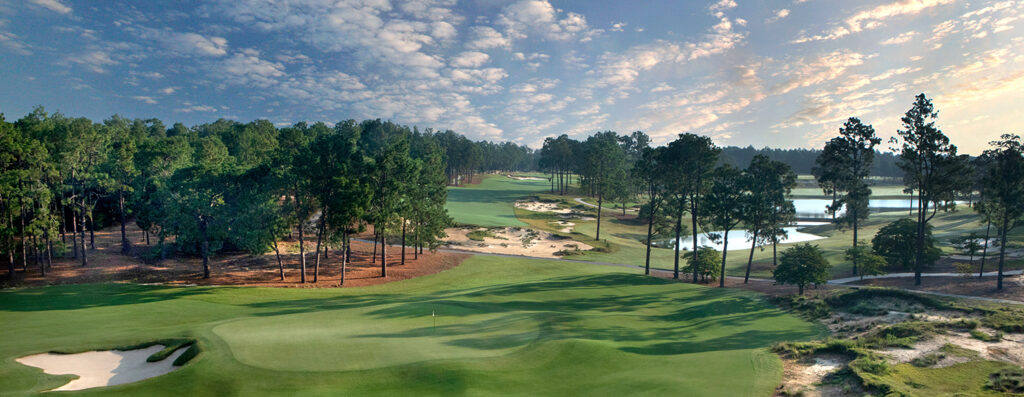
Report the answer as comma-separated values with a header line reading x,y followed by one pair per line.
x,y
802,265
983,336
1007,380
1005,320
708,264
871,363
964,269
928,360
479,235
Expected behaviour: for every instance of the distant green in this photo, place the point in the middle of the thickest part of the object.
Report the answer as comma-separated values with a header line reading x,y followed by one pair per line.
x,y
504,326
491,202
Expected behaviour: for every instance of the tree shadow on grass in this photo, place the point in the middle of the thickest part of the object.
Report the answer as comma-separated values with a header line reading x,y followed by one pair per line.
x,y
81,296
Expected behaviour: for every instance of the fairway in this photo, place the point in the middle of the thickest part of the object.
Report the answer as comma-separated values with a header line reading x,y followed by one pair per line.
x,y
490,203
533,326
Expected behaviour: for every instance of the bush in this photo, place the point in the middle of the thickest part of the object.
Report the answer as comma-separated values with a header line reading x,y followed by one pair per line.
x,y
928,360
708,264
1007,380
1005,320
964,269
802,265
479,235
985,337
871,363
866,308
808,307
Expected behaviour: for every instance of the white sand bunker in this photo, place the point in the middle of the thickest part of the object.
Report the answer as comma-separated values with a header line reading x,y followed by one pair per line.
x,y
512,241
537,206
526,178
104,368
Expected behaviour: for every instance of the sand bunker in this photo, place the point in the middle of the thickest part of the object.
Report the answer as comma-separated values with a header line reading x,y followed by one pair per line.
x,y
513,241
538,206
526,178
104,368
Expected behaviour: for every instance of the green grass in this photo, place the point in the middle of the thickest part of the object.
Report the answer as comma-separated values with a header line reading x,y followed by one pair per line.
x,y
504,326
490,203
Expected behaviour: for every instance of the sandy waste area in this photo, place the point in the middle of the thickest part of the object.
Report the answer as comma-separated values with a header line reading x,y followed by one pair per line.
x,y
513,241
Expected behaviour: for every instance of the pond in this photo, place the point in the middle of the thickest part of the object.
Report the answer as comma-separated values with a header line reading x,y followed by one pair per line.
x,y
815,208
739,240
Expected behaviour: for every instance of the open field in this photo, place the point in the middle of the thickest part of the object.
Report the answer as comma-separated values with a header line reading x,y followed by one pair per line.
x,y
537,327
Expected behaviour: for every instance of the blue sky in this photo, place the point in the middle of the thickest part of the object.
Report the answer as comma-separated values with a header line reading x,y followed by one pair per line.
x,y
766,73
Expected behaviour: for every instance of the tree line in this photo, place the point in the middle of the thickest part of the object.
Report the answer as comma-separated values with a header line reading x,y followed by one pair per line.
x,y
933,172
228,186
692,176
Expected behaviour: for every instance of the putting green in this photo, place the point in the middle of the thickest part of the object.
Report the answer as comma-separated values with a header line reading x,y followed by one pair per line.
x,y
490,203
504,326
342,340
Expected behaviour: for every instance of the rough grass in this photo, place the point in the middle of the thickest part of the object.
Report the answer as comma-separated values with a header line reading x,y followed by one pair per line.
x,y
504,325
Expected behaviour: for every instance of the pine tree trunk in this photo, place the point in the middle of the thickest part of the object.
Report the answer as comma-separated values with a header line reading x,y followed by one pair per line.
x,y
650,234
24,237
599,202
302,251
344,256
319,238
81,214
376,237
693,219
92,232
125,246
855,242
403,242
49,249
750,260
1002,252
383,256
679,231
206,250
984,251
919,243
725,251
280,264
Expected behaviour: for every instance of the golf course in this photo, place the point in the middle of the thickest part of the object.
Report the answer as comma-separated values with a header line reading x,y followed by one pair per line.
x,y
490,326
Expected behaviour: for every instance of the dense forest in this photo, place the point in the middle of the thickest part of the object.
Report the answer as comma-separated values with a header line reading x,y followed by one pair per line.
x,y
801,160
227,185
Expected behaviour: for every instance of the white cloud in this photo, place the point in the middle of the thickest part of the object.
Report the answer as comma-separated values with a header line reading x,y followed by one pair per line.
x,y
470,59
899,39
247,67
145,99
804,72
524,17
874,18
486,37
168,90
777,15
53,5
190,107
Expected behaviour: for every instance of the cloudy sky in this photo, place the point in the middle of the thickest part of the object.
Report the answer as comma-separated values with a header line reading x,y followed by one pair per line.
x,y
781,73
